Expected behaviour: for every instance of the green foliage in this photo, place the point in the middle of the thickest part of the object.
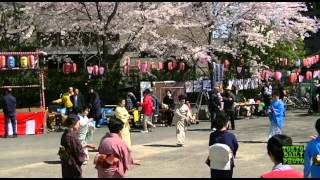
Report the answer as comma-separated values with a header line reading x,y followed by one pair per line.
x,y
292,51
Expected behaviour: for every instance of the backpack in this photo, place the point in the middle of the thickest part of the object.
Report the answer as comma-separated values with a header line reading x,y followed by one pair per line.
x,y
220,156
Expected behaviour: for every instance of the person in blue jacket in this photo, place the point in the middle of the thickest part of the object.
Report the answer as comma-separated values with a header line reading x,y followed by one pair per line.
x,y
276,113
312,156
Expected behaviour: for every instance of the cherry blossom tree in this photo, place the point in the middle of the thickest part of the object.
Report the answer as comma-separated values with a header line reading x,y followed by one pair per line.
x,y
175,28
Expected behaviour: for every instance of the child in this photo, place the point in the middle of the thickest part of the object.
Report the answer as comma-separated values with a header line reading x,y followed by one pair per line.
x,y
275,153
223,148
312,155
276,113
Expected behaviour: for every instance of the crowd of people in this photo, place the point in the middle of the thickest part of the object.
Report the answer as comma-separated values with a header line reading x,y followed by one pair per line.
x,y
115,154
73,101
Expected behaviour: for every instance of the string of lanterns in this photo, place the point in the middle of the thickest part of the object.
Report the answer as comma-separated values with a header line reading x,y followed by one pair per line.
x,y
95,70
10,62
295,76
146,66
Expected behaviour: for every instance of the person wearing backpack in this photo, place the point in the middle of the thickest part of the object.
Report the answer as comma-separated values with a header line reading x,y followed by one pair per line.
x,y
156,107
223,146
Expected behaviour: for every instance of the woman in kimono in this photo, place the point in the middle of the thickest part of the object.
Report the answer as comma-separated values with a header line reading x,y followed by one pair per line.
x,y
181,118
71,151
122,114
86,130
113,159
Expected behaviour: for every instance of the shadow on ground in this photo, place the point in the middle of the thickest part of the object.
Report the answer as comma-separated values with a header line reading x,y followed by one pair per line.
x,y
207,129
265,142
160,145
52,162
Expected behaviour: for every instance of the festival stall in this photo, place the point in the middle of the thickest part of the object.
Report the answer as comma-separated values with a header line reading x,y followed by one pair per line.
x,y
27,122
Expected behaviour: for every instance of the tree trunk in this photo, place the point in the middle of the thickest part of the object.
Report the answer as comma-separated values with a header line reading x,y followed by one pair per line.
x,y
105,50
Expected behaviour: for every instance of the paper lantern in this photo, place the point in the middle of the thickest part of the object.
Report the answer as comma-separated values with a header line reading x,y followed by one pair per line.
x,y
277,75
298,63
11,62
95,70
101,70
182,66
147,65
301,78
24,62
293,78
126,69
315,74
31,61
308,75
174,64
73,67
66,68
89,70
143,68
153,65
160,66
138,63
2,62
170,66
226,64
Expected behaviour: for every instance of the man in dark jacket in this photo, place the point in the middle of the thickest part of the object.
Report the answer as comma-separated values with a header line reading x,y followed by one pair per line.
x,y
94,103
228,106
9,109
77,100
214,107
156,107
168,100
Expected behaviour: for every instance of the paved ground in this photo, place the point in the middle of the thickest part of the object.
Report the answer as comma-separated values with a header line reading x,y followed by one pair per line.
x,y
36,156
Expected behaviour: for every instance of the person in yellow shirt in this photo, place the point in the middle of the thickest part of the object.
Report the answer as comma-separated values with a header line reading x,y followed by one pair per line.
x,y
65,100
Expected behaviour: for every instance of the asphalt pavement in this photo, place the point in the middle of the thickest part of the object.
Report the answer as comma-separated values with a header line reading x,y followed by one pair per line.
x,y
35,156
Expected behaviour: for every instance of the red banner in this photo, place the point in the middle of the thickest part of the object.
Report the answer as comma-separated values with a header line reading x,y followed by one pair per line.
x,y
27,123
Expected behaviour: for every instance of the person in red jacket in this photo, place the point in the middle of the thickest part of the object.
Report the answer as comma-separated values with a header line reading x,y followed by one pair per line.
x,y
147,111
275,153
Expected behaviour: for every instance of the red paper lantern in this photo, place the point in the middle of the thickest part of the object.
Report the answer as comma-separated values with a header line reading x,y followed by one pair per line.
x,y
308,75
90,69
277,75
226,64
143,68
160,66
147,65
101,70
32,62
138,63
2,62
66,68
73,67
170,66
182,66
96,70
293,78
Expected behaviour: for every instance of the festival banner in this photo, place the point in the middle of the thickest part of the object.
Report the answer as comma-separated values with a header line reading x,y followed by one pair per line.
x,y
27,123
